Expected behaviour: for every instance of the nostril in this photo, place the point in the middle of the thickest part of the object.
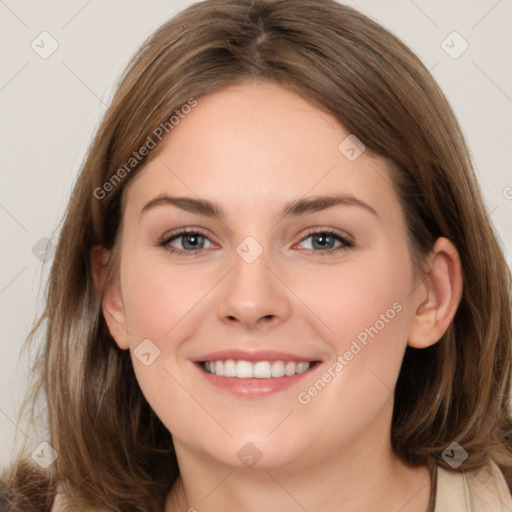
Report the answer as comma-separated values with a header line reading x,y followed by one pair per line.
x,y
263,320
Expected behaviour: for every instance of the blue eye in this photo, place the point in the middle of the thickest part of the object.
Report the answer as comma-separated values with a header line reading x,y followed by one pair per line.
x,y
324,242
193,241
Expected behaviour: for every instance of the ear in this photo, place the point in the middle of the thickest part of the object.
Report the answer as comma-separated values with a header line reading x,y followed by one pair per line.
x,y
437,297
110,293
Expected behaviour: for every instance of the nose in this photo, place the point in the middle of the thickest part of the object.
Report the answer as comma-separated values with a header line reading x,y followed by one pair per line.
x,y
252,296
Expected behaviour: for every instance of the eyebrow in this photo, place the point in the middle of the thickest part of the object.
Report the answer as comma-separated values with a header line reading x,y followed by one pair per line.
x,y
297,207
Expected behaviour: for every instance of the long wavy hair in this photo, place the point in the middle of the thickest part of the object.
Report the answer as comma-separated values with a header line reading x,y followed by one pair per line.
x,y
113,451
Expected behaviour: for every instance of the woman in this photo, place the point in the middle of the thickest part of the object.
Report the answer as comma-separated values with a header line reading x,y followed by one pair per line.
x,y
276,284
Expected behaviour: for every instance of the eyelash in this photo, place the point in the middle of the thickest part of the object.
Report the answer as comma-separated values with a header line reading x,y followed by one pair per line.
x,y
346,243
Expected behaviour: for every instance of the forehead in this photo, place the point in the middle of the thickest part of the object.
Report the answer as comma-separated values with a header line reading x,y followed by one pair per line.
x,y
256,144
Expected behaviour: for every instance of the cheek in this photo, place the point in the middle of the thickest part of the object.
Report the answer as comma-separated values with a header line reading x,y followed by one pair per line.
x,y
365,308
367,311
158,296
355,296
160,304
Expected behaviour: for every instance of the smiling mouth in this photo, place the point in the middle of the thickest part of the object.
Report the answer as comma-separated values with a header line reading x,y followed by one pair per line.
x,y
260,369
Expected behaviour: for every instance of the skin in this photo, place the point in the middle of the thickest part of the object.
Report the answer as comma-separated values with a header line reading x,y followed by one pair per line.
x,y
252,148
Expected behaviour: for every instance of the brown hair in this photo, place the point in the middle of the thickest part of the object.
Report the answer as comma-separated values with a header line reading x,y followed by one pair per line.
x,y
113,450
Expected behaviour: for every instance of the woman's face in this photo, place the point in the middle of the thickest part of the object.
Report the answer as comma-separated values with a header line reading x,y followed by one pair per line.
x,y
273,271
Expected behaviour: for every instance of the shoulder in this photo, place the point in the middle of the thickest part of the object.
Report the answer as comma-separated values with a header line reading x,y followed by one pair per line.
x,y
482,490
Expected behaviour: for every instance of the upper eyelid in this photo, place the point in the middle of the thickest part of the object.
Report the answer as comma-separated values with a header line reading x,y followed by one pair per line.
x,y
167,237
329,231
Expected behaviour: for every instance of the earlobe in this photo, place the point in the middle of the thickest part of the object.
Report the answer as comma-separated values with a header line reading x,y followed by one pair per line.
x,y
437,297
110,293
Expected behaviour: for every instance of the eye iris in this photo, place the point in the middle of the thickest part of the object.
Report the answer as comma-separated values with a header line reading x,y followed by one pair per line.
x,y
323,241
195,242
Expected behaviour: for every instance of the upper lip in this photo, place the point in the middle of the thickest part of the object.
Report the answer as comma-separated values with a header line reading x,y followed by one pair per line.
x,y
253,356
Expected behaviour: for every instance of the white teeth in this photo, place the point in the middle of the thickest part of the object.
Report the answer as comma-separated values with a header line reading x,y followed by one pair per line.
x,y
229,368
278,369
262,370
301,368
244,370
289,369
259,370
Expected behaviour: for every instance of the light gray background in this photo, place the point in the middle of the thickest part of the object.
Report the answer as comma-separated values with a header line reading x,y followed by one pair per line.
x,y
51,107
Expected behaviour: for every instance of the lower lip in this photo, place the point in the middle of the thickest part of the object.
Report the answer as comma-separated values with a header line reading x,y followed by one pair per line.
x,y
254,388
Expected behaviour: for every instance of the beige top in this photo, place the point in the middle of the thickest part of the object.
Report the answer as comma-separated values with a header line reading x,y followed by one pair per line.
x,y
484,490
